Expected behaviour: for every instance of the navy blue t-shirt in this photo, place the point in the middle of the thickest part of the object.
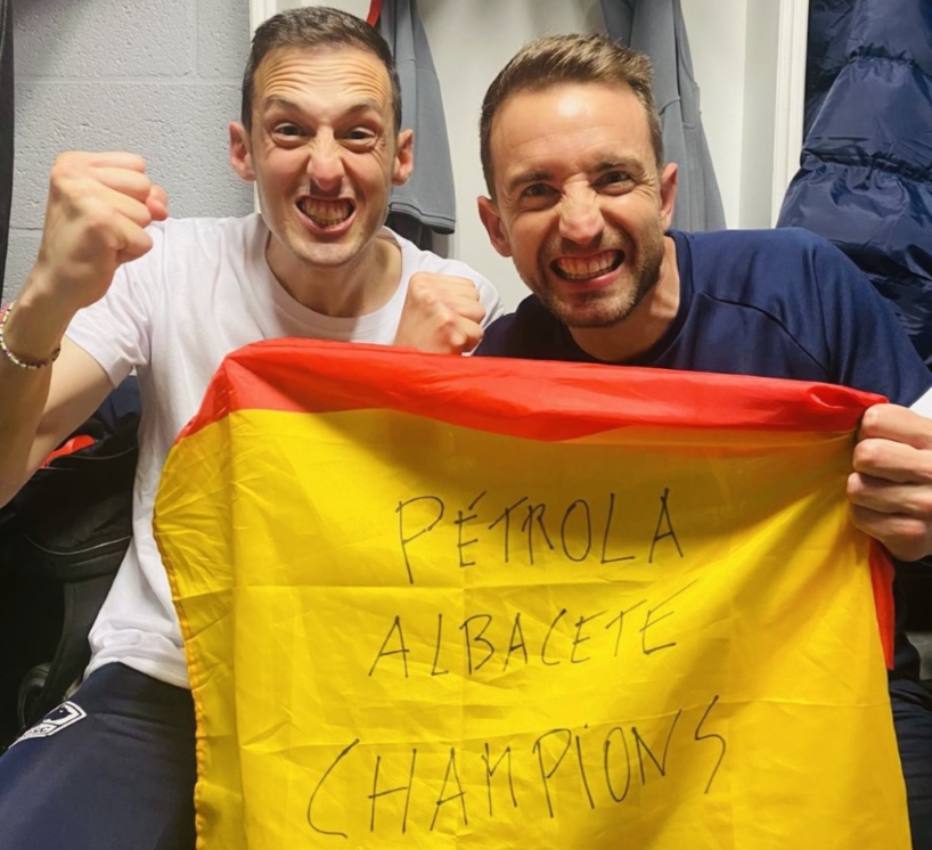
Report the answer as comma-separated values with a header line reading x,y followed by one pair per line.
x,y
773,303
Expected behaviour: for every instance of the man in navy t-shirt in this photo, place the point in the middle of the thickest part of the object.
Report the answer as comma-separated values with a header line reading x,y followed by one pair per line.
x,y
582,202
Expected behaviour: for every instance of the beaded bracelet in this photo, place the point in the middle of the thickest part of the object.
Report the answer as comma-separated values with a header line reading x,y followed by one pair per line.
x,y
16,361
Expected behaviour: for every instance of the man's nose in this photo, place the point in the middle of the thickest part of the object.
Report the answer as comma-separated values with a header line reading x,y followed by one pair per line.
x,y
581,217
325,164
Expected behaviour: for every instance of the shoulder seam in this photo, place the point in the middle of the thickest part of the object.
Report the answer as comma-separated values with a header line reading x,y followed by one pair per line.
x,y
775,320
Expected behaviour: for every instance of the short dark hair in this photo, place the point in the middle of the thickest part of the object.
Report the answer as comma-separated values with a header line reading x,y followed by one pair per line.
x,y
568,59
308,27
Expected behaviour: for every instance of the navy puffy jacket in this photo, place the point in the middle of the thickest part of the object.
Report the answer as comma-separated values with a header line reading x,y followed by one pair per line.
x,y
865,181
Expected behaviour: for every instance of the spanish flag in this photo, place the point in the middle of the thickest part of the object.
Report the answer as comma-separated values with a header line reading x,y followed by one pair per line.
x,y
441,602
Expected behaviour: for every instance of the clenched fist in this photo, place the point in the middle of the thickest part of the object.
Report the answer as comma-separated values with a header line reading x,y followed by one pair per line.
x,y
441,314
98,205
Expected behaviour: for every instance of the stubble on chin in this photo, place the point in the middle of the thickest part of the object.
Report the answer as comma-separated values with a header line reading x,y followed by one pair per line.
x,y
602,310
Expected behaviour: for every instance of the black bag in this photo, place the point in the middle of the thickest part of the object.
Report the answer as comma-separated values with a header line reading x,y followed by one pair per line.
x,y
62,539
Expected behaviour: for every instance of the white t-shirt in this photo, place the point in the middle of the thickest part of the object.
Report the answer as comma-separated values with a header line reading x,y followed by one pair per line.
x,y
203,290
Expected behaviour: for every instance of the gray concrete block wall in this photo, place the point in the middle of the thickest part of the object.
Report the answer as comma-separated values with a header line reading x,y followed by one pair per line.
x,y
156,77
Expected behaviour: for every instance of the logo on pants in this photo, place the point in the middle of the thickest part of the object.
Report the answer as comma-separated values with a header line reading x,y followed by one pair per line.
x,y
67,714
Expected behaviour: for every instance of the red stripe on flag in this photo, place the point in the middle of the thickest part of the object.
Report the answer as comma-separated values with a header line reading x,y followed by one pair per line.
x,y
882,583
539,400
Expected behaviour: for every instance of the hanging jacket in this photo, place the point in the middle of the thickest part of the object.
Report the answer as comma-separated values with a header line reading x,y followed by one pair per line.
x,y
657,28
427,201
865,178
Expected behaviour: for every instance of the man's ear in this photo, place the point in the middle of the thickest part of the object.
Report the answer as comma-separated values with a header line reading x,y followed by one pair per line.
x,y
494,226
668,182
240,157
404,157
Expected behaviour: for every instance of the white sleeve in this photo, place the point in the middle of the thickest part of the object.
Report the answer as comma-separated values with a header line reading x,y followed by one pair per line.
x,y
491,300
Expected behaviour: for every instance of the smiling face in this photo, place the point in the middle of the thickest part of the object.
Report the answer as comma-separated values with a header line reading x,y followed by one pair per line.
x,y
324,154
580,204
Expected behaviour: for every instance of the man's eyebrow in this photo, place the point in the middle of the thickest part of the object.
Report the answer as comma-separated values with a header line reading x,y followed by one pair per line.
x,y
278,103
525,177
616,162
630,163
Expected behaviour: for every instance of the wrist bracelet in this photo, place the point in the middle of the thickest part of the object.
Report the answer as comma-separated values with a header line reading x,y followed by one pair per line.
x,y
17,361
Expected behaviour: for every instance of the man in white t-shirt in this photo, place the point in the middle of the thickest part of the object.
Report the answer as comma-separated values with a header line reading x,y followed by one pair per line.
x,y
117,286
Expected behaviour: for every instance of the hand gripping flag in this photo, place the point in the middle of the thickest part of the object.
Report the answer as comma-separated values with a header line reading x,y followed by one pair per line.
x,y
461,603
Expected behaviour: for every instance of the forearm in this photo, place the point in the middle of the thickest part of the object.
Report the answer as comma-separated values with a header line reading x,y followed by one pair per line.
x,y
32,332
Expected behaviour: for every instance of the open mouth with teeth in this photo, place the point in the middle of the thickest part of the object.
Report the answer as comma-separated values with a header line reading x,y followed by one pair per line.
x,y
587,268
326,214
